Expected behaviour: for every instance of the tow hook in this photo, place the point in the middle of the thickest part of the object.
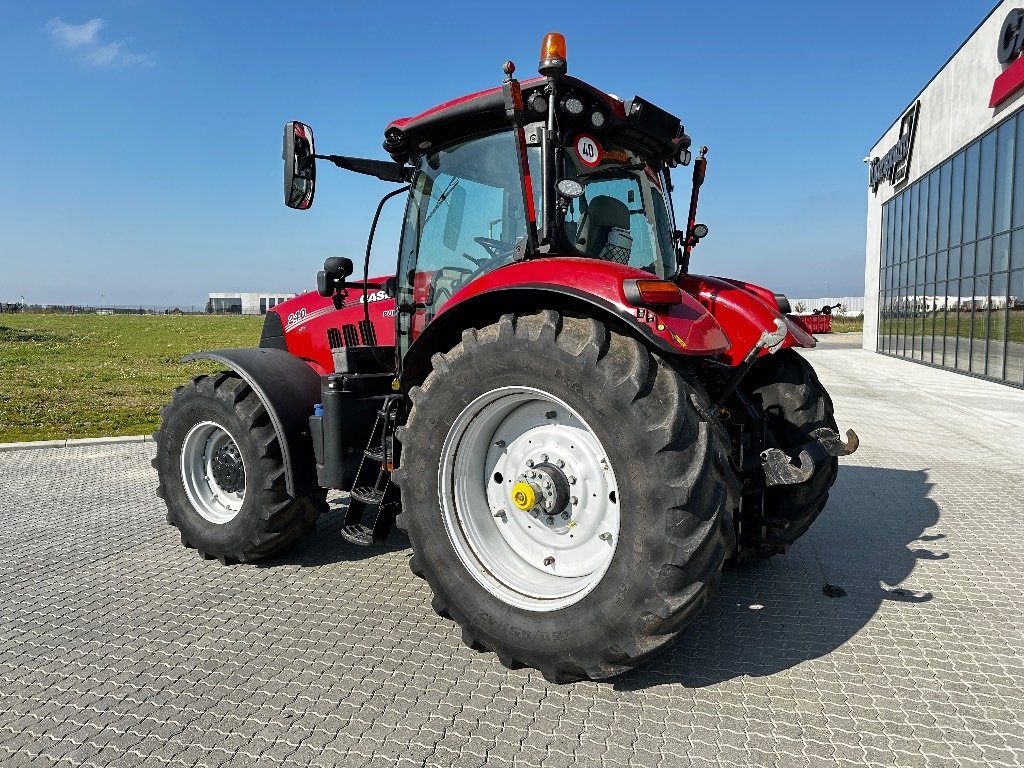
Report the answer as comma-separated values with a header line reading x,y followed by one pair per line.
x,y
778,465
833,444
778,469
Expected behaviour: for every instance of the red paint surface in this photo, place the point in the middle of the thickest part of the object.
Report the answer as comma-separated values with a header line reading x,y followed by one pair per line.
x,y
688,327
744,311
1008,83
307,337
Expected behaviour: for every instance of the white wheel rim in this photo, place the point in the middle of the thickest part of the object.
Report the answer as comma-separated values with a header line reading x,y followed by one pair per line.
x,y
518,556
203,445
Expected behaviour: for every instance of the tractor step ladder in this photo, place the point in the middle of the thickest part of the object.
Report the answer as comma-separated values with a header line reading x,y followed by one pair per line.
x,y
372,488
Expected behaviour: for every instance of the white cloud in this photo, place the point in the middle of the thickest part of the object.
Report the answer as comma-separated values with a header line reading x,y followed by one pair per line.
x,y
84,40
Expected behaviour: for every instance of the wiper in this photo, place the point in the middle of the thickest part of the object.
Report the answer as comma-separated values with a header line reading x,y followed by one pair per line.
x,y
611,169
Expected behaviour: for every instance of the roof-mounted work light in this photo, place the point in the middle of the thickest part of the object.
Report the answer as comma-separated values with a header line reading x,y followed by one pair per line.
x,y
552,55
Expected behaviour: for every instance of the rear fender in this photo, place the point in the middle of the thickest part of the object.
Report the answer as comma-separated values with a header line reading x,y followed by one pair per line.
x,y
585,286
744,311
288,388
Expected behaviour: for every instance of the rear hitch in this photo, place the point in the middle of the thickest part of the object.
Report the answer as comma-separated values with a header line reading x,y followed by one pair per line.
x,y
778,465
833,444
778,469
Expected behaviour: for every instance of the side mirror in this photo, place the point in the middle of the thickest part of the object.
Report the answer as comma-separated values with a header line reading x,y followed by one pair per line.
x,y
330,278
299,165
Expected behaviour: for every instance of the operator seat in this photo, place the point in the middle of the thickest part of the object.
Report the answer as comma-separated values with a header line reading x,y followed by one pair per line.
x,y
604,231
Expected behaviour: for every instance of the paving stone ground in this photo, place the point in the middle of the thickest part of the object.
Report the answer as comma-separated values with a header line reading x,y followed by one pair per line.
x,y
119,648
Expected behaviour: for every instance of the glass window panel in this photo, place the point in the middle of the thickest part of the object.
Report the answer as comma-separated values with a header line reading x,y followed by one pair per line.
x,y
983,257
943,211
920,275
954,263
883,248
1006,141
956,200
918,215
1017,247
897,228
948,327
986,184
971,193
997,325
967,261
1001,252
1018,176
929,268
901,281
915,324
933,211
922,216
1015,329
940,265
964,314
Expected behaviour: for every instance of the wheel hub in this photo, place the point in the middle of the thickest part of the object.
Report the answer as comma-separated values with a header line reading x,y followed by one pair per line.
x,y
529,498
227,468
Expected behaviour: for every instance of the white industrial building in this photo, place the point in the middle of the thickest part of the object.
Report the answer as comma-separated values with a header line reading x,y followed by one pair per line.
x,y
944,275
245,303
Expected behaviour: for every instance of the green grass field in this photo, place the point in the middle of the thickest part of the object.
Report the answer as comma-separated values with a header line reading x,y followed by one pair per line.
x,y
69,376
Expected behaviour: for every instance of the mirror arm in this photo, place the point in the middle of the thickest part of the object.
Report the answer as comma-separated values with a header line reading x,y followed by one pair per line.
x,y
382,169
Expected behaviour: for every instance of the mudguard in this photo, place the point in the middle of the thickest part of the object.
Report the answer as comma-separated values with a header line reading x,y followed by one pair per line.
x,y
590,285
288,388
744,312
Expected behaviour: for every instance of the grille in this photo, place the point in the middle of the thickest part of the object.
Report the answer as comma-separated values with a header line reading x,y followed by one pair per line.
x,y
334,337
368,333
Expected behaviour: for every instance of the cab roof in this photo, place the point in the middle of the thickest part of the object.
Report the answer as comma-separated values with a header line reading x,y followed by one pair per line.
x,y
484,111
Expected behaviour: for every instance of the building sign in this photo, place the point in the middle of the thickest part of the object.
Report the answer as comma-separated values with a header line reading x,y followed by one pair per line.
x,y
1008,50
894,165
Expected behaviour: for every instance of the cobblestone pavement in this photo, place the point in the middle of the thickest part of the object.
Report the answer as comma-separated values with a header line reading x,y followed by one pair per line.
x,y
119,647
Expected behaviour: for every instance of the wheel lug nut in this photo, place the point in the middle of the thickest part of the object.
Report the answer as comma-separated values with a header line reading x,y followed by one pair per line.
x,y
529,462
551,520
549,560
543,457
550,415
565,515
574,501
572,479
560,464
605,536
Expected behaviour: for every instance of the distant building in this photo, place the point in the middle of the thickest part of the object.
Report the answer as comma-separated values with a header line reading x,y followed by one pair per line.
x,y
245,303
944,278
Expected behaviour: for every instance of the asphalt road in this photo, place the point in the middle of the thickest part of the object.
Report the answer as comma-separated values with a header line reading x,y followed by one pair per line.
x,y
891,634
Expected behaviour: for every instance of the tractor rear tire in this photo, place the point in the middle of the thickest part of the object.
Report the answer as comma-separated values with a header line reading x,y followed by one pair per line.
x,y
221,473
585,592
786,387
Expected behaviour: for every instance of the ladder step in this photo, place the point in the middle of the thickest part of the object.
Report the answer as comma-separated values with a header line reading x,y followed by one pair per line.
x,y
358,534
377,454
367,496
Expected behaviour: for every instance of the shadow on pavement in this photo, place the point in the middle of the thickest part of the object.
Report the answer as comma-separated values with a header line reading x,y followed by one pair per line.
x,y
776,614
327,546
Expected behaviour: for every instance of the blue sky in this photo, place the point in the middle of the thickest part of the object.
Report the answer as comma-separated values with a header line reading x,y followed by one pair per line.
x,y
143,137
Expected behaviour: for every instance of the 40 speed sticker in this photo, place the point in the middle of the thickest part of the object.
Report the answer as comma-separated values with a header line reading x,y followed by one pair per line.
x,y
588,150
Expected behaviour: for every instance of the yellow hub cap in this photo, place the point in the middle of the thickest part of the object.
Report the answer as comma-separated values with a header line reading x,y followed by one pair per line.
x,y
524,497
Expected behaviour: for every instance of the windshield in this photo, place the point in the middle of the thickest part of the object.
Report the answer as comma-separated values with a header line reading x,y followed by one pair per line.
x,y
623,213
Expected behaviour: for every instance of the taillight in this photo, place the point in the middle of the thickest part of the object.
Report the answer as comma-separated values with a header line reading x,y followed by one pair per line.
x,y
652,293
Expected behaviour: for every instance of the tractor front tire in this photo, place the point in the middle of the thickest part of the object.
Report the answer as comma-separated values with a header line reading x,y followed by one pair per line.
x,y
795,403
221,474
542,494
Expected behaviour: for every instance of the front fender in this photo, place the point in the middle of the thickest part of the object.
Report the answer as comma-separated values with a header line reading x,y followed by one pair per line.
x,y
288,388
588,286
744,311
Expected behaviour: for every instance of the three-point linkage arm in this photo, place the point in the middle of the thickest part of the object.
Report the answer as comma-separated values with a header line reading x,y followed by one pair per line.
x,y
382,169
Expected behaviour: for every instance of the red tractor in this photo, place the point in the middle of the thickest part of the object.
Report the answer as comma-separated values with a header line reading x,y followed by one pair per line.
x,y
575,432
